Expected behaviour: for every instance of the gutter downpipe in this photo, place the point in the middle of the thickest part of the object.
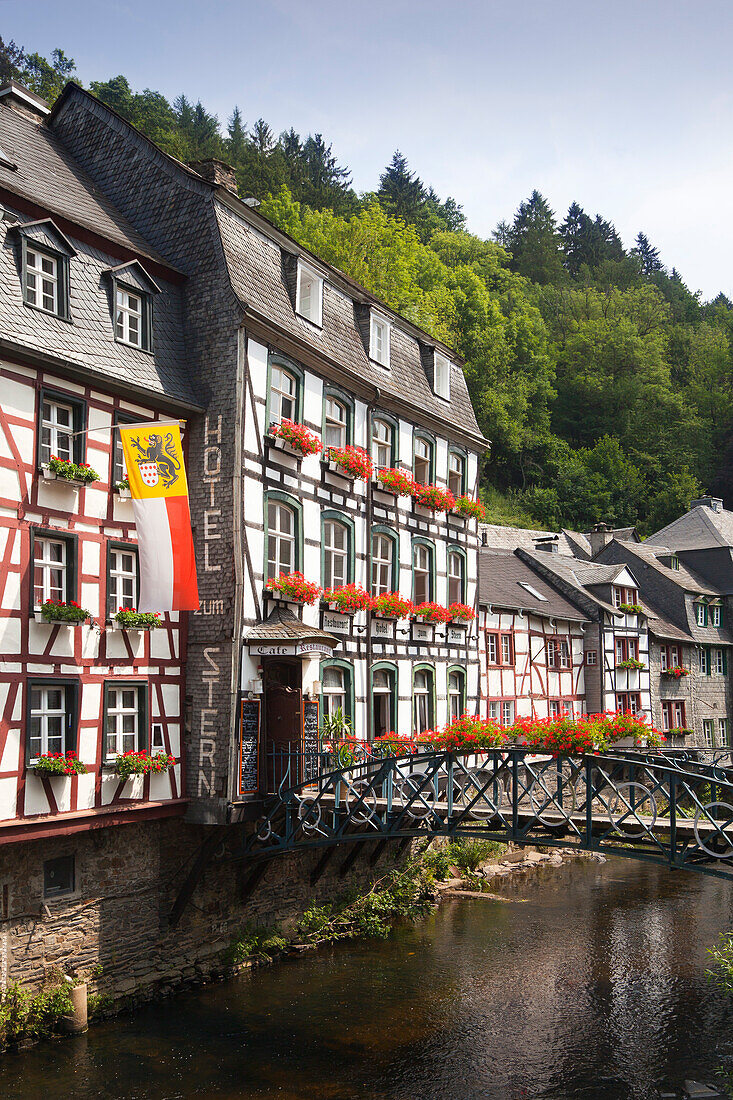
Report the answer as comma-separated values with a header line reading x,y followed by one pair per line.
x,y
369,520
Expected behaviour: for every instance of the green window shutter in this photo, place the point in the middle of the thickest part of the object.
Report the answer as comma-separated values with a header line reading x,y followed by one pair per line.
x,y
725,662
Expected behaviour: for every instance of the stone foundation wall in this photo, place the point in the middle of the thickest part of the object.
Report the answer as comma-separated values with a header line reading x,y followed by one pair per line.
x,y
113,931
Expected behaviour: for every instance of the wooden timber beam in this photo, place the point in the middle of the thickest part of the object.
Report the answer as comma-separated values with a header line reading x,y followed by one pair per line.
x,y
205,854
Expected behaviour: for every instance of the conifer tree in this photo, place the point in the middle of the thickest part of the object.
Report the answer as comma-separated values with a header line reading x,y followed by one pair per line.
x,y
647,255
534,241
237,138
401,192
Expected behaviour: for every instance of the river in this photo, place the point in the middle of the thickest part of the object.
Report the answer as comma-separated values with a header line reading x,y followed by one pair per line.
x,y
587,983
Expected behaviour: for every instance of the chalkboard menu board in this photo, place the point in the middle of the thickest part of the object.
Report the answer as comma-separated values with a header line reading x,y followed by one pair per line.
x,y
249,746
310,739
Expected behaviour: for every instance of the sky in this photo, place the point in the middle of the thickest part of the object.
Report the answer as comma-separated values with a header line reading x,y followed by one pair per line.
x,y
625,107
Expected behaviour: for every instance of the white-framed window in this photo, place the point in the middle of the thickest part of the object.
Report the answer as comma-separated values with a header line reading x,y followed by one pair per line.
x,y
492,649
48,720
122,730
591,656
495,710
122,582
129,317
442,376
456,684
564,654
381,443
57,429
716,615
718,661
334,690
708,733
383,692
281,544
704,657
422,461
422,562
379,338
309,295
335,553
382,563
50,570
723,731
456,473
506,649
42,281
701,614
456,585
507,713
283,395
551,652
673,715
422,701
628,702
335,432
555,708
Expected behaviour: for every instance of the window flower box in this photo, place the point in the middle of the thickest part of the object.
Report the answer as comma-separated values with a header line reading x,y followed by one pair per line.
x,y
140,763
431,613
391,605
469,508
57,763
294,439
348,599
434,498
76,474
630,664
461,613
394,481
131,619
676,673
53,611
294,588
122,489
630,608
350,462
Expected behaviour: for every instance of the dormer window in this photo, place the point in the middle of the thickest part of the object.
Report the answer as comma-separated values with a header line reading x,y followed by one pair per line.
x,y
309,295
42,281
441,376
701,613
129,317
379,332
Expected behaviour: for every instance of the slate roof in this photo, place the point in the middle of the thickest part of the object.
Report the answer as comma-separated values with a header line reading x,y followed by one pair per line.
x,y
281,625
699,529
88,342
581,575
684,577
498,537
48,176
501,576
255,268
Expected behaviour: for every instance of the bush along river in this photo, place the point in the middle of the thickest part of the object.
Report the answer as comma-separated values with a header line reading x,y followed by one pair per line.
x,y
581,980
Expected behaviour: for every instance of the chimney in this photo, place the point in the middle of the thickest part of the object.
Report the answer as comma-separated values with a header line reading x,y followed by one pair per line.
x,y
216,171
599,535
715,504
23,101
547,543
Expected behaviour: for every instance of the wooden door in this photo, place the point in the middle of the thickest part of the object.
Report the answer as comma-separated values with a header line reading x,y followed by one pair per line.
x,y
283,703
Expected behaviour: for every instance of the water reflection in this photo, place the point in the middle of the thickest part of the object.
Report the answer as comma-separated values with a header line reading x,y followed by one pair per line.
x,y
589,985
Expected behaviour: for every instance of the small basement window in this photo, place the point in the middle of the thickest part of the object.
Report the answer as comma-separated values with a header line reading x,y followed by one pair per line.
x,y
309,295
59,876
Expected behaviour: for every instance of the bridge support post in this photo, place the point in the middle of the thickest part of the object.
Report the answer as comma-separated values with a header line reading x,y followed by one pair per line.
x,y
350,859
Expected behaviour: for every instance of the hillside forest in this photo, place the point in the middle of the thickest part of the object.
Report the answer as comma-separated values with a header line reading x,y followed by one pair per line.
x,y
602,381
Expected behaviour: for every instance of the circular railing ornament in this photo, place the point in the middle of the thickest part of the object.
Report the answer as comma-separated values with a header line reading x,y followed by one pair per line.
x,y
263,831
629,803
309,815
367,811
416,791
718,844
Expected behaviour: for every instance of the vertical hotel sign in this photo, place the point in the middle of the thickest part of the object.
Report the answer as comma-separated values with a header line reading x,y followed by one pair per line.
x,y
159,491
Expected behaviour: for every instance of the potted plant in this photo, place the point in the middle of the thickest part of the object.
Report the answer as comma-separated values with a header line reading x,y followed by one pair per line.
x,y
294,588
433,498
677,672
350,462
140,763
74,473
630,608
58,763
55,611
347,599
469,508
461,613
396,482
294,439
128,618
122,488
631,663
390,605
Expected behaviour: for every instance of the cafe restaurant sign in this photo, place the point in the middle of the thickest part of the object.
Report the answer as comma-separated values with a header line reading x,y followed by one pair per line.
x,y
289,649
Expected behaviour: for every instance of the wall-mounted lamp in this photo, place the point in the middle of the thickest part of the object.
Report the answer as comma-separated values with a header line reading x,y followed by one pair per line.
x,y
316,687
255,687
